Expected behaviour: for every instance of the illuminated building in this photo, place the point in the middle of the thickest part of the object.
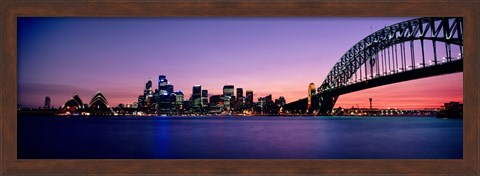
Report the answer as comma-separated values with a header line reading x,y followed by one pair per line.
x,y
196,96
98,102
149,101
179,100
99,105
165,98
141,101
228,91
73,104
261,104
311,93
180,97
280,101
47,103
162,83
216,103
169,88
196,91
204,98
148,88
164,105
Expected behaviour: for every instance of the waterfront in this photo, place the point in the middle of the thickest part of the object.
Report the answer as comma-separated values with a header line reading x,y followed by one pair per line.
x,y
239,138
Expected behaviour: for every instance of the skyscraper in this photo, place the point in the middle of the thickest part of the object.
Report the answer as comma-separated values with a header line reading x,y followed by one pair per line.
x,y
196,91
196,96
239,92
261,104
240,98
228,91
282,101
249,98
169,88
179,98
165,96
149,101
162,83
47,103
204,98
148,85
141,101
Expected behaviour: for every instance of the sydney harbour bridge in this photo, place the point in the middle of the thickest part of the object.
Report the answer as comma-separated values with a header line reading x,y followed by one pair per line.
x,y
409,50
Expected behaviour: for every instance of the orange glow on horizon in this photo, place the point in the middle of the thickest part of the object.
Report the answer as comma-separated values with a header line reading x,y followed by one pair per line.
x,y
423,93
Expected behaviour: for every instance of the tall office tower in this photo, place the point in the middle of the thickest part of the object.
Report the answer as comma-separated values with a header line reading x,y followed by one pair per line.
x,y
180,97
269,104
196,91
141,101
268,98
249,98
311,93
239,93
240,99
47,103
164,102
179,100
228,91
169,88
162,83
164,96
282,101
261,104
204,98
148,99
196,96
148,85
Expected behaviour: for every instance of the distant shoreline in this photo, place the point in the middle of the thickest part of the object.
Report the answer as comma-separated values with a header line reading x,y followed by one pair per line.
x,y
202,116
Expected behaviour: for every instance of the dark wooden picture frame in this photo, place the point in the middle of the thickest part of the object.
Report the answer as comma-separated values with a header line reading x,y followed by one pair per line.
x,y
10,10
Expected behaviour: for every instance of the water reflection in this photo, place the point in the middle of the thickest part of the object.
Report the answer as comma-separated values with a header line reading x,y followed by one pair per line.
x,y
240,138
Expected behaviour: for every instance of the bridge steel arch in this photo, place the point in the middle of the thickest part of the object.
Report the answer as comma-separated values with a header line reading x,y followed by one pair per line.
x,y
367,60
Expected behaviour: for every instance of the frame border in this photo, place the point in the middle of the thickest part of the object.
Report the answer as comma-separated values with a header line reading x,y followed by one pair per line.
x,y
10,10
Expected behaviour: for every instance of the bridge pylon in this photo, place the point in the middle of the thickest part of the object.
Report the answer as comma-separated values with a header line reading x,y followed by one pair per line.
x,y
324,103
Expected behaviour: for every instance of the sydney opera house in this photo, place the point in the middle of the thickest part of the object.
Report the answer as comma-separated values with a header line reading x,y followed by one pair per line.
x,y
98,106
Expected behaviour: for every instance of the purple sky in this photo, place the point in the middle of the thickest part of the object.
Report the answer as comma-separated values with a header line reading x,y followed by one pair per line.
x,y
280,56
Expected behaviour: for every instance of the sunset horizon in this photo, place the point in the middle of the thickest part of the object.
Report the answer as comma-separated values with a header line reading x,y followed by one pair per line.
x,y
277,56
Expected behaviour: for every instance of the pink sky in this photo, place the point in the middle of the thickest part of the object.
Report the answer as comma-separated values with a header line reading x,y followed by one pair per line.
x,y
429,92
58,57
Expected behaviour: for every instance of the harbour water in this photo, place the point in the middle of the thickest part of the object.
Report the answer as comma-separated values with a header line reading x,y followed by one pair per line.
x,y
239,138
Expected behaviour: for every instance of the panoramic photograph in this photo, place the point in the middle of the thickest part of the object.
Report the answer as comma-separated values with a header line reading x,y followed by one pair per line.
x,y
240,88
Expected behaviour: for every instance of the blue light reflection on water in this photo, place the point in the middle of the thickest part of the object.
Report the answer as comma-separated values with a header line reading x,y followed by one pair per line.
x,y
240,138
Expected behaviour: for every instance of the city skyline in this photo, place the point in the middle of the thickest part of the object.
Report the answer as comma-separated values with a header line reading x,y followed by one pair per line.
x,y
122,53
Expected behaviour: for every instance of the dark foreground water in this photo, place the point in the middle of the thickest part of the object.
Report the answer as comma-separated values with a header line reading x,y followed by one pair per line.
x,y
239,138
